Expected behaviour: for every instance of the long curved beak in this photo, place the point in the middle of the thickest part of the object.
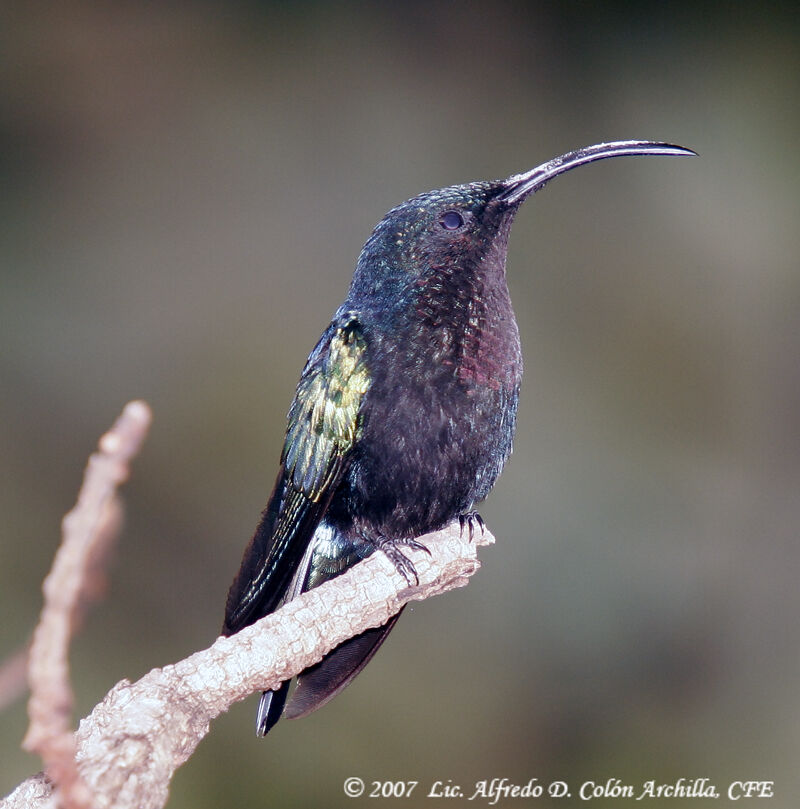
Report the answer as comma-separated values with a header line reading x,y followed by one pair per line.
x,y
518,186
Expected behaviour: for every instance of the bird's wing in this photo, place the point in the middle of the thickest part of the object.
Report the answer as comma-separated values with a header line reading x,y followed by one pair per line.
x,y
324,422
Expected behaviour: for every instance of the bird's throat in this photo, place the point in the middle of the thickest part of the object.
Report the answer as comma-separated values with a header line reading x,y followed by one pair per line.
x,y
468,326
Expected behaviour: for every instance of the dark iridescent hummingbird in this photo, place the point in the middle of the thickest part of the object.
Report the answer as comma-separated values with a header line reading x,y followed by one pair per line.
x,y
405,411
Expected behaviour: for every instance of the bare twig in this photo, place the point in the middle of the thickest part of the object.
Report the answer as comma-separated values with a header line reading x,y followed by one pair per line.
x,y
87,532
128,748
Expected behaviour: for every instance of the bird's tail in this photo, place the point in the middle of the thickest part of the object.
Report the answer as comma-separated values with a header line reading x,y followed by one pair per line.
x,y
323,681
329,554
270,708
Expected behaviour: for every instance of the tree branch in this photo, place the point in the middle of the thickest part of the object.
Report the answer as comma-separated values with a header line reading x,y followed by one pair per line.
x,y
75,579
128,748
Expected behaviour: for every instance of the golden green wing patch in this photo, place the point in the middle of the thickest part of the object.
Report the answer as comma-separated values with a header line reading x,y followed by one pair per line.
x,y
324,417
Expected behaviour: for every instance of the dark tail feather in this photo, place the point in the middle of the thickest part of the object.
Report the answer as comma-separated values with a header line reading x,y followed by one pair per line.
x,y
323,681
270,708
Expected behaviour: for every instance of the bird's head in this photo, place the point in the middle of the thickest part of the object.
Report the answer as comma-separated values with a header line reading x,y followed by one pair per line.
x,y
462,227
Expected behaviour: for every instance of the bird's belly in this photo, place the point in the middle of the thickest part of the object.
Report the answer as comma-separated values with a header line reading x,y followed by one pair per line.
x,y
426,455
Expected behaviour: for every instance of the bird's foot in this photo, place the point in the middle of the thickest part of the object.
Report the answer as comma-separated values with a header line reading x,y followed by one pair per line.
x,y
403,565
469,521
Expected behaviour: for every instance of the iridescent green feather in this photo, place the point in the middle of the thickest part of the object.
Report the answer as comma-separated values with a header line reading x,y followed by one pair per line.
x,y
324,417
323,425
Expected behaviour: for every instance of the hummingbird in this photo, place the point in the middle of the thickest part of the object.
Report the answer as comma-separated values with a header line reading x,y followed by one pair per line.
x,y
404,414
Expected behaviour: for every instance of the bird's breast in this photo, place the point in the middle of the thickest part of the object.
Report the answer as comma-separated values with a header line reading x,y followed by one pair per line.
x,y
438,419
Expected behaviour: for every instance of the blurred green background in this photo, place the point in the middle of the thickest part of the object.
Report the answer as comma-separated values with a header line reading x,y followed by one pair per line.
x,y
184,189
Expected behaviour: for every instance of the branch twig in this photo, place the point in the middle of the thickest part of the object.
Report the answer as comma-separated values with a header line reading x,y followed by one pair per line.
x,y
128,748
75,578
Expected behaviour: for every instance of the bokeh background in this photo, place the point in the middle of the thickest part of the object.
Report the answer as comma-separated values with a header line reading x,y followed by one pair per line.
x,y
184,189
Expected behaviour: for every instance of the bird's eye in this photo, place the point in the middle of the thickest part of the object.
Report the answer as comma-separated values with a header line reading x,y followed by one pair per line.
x,y
452,220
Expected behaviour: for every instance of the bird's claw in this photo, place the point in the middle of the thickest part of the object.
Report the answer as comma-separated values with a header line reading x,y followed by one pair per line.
x,y
469,520
402,564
